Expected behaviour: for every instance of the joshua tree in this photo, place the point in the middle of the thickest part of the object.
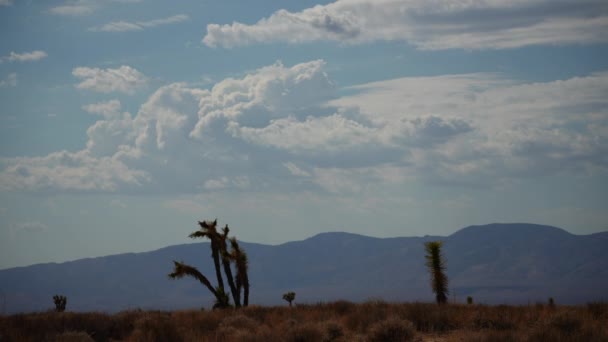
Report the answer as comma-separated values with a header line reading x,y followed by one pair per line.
x,y
469,300
221,258
436,264
289,296
242,264
60,302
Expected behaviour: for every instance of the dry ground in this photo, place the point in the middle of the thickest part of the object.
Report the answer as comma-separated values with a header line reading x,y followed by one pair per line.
x,y
338,321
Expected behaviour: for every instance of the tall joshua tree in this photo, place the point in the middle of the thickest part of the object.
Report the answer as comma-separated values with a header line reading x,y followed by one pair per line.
x,y
436,265
242,264
221,258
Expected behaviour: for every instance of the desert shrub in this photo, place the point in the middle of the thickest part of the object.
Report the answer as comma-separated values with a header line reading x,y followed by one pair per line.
x,y
306,332
240,322
597,309
491,336
430,318
542,334
333,331
564,326
498,318
256,312
74,336
365,315
237,328
194,324
567,323
391,330
155,327
342,307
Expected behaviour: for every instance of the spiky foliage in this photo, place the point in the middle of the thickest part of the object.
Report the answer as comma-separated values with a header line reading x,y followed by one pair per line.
x,y
436,265
181,270
221,258
238,255
289,296
60,302
209,230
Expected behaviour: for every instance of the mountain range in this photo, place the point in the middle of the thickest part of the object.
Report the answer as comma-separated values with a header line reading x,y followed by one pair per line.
x,y
495,263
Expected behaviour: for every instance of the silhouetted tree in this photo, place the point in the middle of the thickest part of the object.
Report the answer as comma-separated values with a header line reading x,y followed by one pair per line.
x,y
226,259
221,258
469,300
289,296
238,255
436,265
60,302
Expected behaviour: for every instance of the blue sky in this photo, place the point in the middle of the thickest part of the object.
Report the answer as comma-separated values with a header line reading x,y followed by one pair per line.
x,y
124,121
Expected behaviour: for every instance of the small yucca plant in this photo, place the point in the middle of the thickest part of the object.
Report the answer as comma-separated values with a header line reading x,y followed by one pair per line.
x,y
289,296
60,302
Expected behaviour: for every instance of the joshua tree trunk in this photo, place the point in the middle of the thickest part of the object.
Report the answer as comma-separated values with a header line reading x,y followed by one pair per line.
x,y
242,279
227,269
215,249
246,291
436,265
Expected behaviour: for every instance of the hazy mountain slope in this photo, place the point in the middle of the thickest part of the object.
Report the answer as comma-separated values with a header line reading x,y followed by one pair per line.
x,y
513,263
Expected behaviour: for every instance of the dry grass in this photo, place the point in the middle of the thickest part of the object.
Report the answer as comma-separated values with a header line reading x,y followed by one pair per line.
x,y
338,321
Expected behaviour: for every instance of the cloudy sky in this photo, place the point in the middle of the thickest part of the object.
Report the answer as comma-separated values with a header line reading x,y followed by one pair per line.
x,y
122,122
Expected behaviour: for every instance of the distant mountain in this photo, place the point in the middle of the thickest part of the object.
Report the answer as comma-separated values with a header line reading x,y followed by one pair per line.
x,y
496,263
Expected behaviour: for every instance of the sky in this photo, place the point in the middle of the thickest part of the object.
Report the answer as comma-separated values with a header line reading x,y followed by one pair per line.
x,y
123,122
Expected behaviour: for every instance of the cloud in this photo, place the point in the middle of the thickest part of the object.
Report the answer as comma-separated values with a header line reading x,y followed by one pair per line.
x,y
75,8
66,171
429,25
26,56
109,109
123,26
9,81
288,128
124,79
520,129
6,3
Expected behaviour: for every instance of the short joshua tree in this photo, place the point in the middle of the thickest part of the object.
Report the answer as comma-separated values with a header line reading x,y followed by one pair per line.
x,y
289,296
469,300
60,302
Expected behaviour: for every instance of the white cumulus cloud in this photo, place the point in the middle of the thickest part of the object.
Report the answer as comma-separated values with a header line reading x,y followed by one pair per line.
x,y
124,79
123,26
433,25
286,127
26,56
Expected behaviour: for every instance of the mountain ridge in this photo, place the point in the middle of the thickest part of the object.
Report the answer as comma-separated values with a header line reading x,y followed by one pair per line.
x,y
495,263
